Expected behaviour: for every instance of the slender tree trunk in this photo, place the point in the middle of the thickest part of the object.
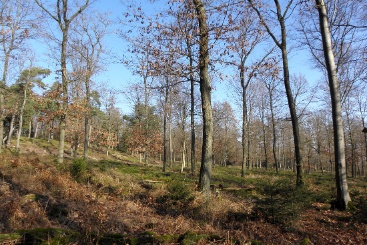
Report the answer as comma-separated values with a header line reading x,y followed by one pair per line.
x,y
183,156
205,90
65,97
294,117
87,118
36,130
30,128
165,139
353,148
339,152
11,130
21,117
244,119
264,134
274,131
192,124
63,20
192,115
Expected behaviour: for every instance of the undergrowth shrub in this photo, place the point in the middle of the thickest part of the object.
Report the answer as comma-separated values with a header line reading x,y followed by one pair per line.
x,y
358,206
178,191
283,202
78,169
177,199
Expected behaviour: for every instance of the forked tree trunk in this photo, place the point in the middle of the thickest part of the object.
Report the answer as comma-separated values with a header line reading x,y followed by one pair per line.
x,y
339,145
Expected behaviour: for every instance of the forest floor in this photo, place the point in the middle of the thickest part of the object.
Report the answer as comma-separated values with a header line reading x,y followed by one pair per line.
x,y
115,199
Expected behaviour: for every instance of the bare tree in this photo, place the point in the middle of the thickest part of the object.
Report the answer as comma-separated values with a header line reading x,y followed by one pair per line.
x,y
339,152
205,90
17,24
281,43
63,18
86,45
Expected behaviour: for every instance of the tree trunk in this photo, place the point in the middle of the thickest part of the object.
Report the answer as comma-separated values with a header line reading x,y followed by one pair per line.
x,y
292,109
30,128
244,119
264,134
11,130
339,152
165,139
192,114
63,21
282,45
205,90
274,131
87,123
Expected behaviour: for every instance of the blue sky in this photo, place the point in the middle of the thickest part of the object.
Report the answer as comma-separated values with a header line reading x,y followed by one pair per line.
x,y
118,77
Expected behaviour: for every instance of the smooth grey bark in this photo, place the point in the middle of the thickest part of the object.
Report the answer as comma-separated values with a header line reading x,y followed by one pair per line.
x,y
205,91
339,144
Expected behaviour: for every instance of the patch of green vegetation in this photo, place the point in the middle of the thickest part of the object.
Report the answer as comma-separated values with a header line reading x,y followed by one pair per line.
x,y
283,202
358,206
110,239
254,242
178,191
49,236
178,198
144,238
9,237
78,169
190,238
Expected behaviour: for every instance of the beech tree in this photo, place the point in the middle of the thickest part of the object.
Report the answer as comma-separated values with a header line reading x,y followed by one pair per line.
x,y
339,145
281,43
60,12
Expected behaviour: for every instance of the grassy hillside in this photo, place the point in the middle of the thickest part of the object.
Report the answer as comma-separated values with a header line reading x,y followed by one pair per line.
x,y
117,200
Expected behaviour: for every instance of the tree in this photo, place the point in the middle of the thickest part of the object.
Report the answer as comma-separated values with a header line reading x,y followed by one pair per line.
x,y
243,39
137,136
271,82
339,152
17,24
281,43
86,45
64,18
205,90
28,79
225,134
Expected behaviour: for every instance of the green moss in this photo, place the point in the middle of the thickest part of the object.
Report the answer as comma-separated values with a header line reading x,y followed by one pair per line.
x,y
49,236
9,237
